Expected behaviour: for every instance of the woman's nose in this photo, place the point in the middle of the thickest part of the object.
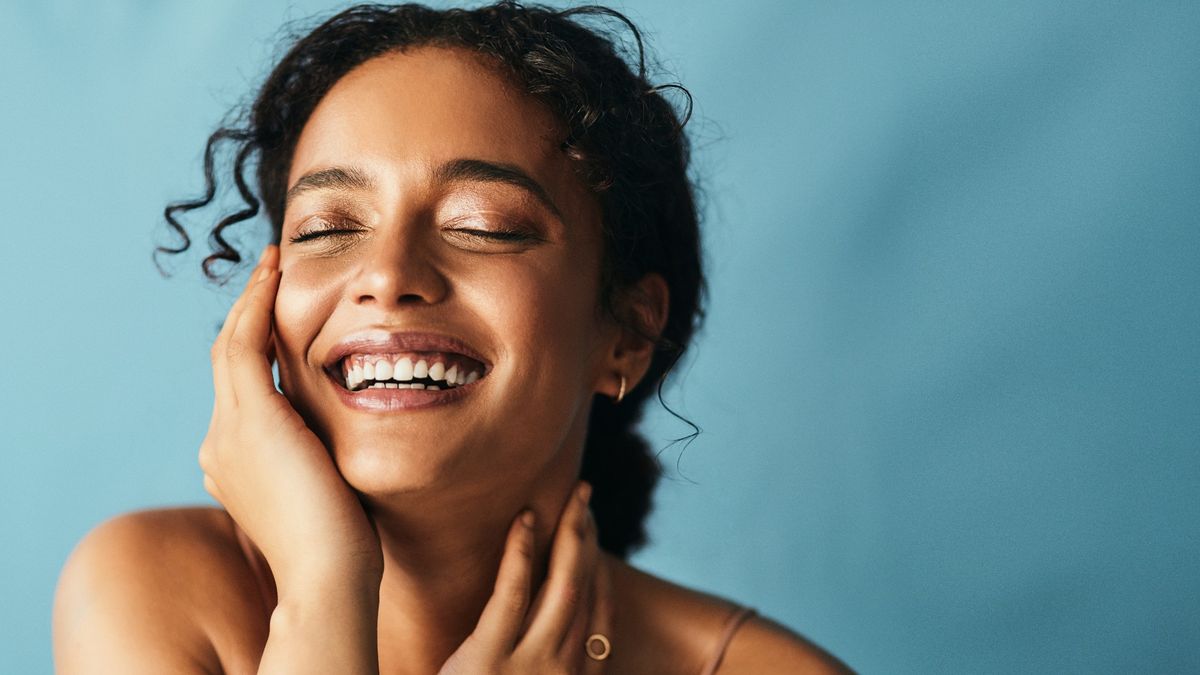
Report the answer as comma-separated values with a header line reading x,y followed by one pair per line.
x,y
397,270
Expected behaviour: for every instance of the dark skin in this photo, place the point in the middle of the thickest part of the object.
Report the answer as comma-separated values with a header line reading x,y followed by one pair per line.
x,y
394,539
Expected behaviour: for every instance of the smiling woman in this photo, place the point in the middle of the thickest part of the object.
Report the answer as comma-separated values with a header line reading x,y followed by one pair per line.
x,y
486,259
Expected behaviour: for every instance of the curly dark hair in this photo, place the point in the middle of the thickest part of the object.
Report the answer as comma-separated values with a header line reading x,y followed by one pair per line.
x,y
625,138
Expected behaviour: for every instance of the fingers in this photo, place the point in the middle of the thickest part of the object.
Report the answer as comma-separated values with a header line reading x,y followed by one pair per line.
x,y
572,564
223,381
249,370
225,398
571,649
500,623
601,619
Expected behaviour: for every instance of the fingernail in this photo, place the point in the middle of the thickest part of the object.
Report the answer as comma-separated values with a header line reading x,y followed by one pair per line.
x,y
262,274
585,492
527,519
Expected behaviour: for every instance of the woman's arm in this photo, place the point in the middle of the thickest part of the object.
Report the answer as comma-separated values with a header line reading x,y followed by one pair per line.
x,y
328,626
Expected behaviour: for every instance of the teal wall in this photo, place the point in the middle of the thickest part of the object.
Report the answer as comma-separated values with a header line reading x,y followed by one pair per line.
x,y
950,385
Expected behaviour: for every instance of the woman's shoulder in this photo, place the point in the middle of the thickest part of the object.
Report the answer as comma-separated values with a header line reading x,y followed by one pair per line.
x,y
163,584
695,630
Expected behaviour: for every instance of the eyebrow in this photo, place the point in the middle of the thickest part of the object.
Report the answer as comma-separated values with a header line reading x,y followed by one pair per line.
x,y
337,179
480,171
354,179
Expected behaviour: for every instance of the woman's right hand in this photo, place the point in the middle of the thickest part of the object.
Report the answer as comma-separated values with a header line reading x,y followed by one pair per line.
x,y
267,468
517,633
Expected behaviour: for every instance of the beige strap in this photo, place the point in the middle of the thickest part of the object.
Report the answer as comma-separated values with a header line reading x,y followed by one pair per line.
x,y
731,626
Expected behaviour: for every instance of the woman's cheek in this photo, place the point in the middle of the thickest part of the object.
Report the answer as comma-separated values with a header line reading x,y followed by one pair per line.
x,y
289,303
305,299
300,311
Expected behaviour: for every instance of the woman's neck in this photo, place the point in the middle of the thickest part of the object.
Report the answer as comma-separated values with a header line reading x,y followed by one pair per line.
x,y
440,564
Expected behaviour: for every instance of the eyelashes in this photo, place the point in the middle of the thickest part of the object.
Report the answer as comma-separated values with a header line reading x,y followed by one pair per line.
x,y
318,234
340,237
497,235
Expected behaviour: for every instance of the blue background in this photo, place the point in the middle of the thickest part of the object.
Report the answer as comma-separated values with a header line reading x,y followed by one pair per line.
x,y
950,388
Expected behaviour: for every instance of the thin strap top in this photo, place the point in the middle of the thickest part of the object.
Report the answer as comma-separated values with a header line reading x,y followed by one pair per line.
x,y
735,621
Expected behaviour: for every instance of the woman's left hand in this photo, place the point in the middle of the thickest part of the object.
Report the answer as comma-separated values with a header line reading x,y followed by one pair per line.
x,y
513,637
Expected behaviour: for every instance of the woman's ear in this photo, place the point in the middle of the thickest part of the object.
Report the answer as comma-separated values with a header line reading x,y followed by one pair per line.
x,y
642,309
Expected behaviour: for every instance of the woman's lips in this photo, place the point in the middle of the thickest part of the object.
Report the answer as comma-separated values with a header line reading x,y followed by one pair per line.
x,y
363,360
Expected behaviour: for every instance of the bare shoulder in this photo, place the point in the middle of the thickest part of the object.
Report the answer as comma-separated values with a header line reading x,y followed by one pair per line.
x,y
762,645
686,626
149,591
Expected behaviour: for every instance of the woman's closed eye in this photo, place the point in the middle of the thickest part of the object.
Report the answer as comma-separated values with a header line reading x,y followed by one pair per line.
x,y
328,238
498,235
329,232
486,236
323,226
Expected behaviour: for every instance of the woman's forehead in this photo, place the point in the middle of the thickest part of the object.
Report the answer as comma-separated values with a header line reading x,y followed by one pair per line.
x,y
412,110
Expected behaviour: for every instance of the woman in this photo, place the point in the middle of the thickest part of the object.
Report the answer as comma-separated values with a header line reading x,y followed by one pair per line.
x,y
487,258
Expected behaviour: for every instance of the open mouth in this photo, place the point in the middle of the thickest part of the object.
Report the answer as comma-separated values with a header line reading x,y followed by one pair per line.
x,y
407,370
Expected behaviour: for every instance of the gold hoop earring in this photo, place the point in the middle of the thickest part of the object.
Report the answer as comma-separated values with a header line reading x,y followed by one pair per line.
x,y
621,394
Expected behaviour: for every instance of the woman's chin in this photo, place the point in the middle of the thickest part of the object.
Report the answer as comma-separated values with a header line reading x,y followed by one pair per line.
x,y
381,469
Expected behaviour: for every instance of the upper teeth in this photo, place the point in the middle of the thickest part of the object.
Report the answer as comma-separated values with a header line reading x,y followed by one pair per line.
x,y
380,371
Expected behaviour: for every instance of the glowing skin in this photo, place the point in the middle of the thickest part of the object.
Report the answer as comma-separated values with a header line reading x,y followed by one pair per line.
x,y
451,476
528,306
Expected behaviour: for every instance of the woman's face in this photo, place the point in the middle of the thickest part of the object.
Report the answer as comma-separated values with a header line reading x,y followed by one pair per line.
x,y
428,197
